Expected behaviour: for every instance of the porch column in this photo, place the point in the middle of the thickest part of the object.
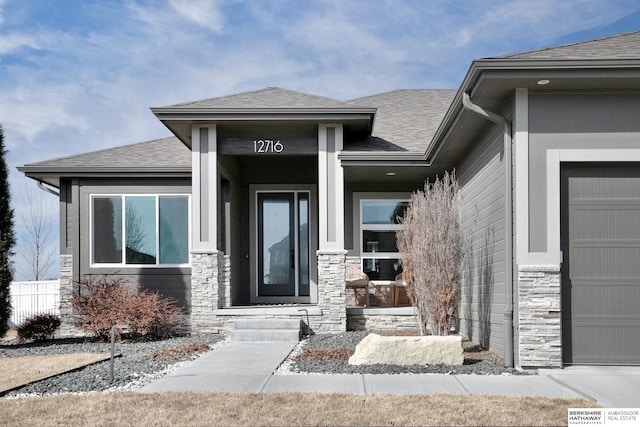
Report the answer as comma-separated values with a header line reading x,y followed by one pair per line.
x,y
331,254
330,188
205,291
204,187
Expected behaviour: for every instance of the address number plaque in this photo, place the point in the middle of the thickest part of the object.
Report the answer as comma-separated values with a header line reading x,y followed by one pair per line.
x,y
268,146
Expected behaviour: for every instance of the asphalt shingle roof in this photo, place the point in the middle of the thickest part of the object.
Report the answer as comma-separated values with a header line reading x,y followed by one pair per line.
x,y
406,120
620,46
166,152
271,97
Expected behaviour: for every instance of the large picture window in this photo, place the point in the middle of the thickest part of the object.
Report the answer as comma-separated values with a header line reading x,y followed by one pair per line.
x,y
379,221
140,230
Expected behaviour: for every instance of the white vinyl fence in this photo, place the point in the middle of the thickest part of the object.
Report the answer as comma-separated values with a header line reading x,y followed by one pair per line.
x,y
31,298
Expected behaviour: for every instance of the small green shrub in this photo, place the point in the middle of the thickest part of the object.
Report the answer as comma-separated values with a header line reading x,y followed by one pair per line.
x,y
103,302
39,327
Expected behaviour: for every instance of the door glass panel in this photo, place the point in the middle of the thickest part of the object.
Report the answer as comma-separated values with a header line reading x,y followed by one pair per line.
x,y
276,239
303,244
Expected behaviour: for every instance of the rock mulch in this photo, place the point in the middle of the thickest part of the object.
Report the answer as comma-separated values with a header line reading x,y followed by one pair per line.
x,y
329,354
139,363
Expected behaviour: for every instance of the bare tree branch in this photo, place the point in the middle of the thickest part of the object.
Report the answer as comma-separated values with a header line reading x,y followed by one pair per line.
x,y
40,253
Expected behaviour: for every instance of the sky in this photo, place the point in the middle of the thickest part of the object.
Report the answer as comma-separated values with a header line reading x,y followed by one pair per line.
x,y
81,75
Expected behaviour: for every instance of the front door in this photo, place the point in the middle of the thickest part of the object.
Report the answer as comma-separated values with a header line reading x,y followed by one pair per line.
x,y
283,243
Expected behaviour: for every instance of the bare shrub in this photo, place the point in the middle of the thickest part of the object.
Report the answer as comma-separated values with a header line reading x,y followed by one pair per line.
x,y
153,315
103,302
432,251
39,327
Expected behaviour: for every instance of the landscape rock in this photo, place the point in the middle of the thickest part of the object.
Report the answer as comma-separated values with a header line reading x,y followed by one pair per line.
x,y
407,350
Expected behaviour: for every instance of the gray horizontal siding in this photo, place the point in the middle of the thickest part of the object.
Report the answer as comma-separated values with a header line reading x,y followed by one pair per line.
x,y
482,187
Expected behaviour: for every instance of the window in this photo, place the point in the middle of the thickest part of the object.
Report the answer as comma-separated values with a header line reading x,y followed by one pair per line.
x,y
154,229
379,221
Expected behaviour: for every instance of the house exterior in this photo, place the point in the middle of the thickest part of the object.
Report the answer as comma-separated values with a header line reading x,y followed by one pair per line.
x,y
258,201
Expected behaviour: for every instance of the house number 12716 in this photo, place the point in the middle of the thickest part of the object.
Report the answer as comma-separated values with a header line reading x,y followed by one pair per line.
x,y
267,146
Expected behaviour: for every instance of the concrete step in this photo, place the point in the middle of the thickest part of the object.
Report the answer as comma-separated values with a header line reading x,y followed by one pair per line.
x,y
266,330
265,335
266,324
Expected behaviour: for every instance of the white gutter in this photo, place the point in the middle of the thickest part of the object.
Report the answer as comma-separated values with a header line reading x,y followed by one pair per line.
x,y
508,310
47,189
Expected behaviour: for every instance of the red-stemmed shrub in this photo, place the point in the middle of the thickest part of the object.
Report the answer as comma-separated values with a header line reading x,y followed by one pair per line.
x,y
103,302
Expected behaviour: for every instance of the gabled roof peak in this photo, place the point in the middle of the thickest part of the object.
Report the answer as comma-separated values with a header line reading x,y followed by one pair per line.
x,y
270,97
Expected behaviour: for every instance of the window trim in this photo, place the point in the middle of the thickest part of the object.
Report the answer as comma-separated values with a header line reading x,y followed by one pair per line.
x,y
358,200
123,197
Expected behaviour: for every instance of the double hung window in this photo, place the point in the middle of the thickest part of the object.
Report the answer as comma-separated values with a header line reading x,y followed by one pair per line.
x,y
379,221
139,230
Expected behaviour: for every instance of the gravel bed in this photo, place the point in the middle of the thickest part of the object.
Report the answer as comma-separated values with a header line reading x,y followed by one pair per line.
x,y
135,368
486,365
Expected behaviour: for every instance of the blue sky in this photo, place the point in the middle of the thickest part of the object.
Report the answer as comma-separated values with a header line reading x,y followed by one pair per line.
x,y
78,75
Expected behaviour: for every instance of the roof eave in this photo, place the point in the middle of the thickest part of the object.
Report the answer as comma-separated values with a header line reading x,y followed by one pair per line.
x,y
190,113
381,158
68,171
505,65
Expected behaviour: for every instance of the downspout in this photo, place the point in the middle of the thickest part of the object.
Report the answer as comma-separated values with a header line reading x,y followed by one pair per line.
x,y
508,310
47,189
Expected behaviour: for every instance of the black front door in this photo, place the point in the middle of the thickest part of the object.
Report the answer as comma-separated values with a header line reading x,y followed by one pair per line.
x,y
283,243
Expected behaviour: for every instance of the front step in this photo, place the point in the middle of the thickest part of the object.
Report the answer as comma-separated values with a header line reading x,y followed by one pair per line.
x,y
266,330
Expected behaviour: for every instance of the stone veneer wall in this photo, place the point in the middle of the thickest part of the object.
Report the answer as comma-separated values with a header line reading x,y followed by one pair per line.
x,y
205,291
539,312
400,319
224,280
331,291
66,291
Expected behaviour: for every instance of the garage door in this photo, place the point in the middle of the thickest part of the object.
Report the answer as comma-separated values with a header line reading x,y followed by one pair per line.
x,y
600,238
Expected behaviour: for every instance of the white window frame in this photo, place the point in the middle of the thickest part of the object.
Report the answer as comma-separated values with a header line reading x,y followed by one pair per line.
x,y
123,196
359,200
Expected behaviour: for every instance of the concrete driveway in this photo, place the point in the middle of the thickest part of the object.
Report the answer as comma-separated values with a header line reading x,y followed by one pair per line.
x,y
610,386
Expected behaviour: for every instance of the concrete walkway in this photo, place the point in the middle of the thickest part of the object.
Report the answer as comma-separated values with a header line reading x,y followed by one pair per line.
x,y
247,367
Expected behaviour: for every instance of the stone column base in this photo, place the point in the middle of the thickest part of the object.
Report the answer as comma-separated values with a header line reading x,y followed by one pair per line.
x,y
539,312
205,291
331,291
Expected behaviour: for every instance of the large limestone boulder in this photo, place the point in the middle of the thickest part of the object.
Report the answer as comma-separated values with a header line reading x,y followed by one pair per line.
x,y
428,350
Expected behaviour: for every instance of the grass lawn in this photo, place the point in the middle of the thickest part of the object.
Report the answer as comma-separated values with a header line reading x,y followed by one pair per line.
x,y
17,371
304,409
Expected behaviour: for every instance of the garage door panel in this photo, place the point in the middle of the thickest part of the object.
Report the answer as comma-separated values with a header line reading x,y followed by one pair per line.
x,y
605,299
606,345
622,223
600,223
618,182
605,260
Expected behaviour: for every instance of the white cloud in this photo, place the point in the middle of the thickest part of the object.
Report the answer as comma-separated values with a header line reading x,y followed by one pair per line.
x,y
206,13
13,42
